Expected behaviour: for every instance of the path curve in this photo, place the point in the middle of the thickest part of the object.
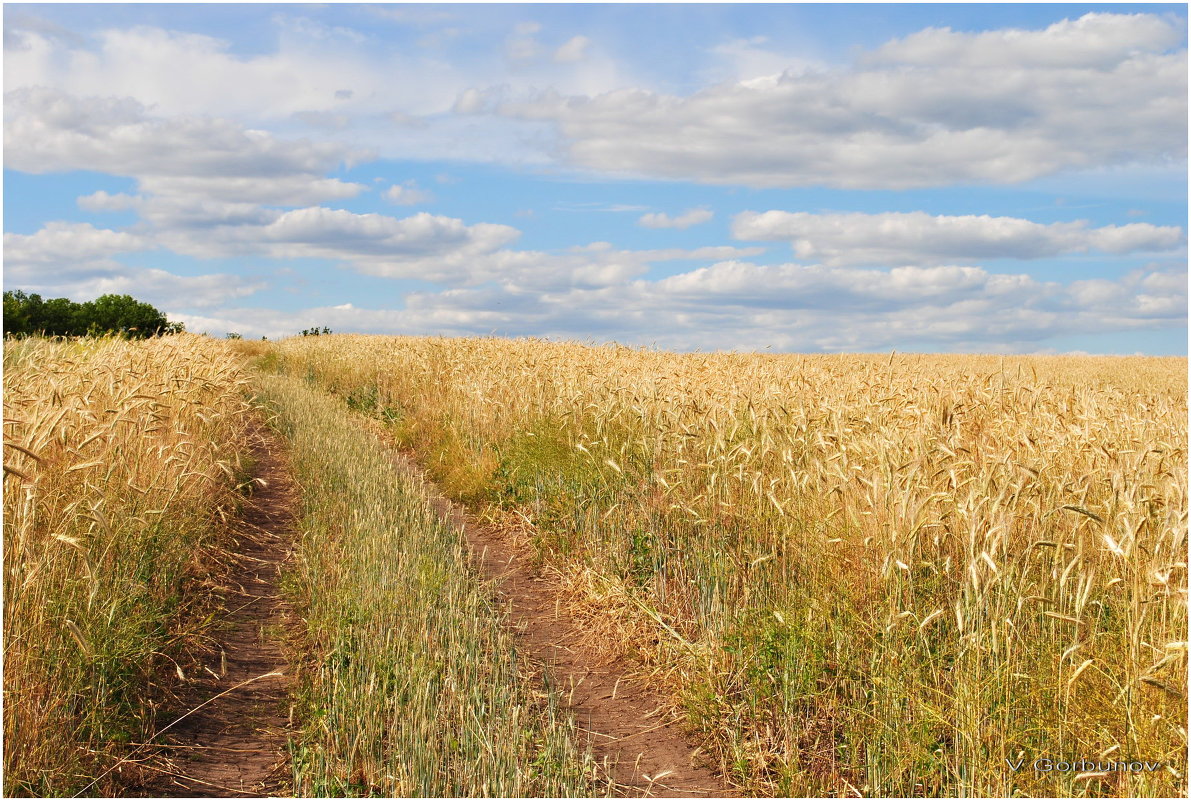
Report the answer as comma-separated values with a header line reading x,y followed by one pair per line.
x,y
629,730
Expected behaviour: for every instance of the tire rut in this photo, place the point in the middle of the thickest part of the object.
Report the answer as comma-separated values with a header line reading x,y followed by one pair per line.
x,y
234,742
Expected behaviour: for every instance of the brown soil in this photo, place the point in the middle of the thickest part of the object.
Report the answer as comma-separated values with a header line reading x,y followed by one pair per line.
x,y
640,744
234,744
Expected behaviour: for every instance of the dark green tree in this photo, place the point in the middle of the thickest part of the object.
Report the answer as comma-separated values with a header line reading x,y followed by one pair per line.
x,y
109,314
19,310
60,317
123,314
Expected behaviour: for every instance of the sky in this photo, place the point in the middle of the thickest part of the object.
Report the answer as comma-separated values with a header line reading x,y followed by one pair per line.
x,y
807,178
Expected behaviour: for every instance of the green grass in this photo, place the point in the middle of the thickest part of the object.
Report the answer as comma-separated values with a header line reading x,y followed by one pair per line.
x,y
409,686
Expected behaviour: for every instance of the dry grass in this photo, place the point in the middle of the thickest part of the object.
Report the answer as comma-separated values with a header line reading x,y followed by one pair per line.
x,y
877,575
117,457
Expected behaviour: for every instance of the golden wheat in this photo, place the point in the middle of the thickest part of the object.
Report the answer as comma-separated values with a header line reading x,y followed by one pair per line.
x,y
892,575
117,457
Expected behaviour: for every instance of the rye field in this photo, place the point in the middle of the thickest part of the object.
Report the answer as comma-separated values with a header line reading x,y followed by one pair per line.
x,y
841,575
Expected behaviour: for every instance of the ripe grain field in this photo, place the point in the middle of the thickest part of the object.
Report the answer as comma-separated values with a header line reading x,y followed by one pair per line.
x,y
121,460
891,575
876,575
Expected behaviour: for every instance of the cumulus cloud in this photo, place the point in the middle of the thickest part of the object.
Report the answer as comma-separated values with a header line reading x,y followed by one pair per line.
x,y
75,260
682,221
407,194
103,201
285,188
742,59
597,264
207,187
161,288
936,107
1102,90
735,304
47,130
316,76
521,45
210,188
816,308
431,247
326,232
1094,40
64,243
921,238
176,218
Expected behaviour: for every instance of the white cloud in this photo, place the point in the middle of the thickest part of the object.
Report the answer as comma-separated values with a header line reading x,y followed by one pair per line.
x,y
432,247
102,201
177,217
74,260
597,264
797,286
390,99
932,108
919,238
68,243
585,206
205,185
682,221
471,101
162,288
1094,92
407,194
1121,239
574,49
735,304
745,59
47,131
330,232
815,308
296,188
1094,40
186,73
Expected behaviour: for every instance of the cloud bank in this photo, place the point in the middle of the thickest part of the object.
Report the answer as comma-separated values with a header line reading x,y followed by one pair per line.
x,y
936,108
895,238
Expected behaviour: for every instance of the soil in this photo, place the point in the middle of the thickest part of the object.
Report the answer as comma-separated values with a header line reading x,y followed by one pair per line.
x,y
234,743
641,746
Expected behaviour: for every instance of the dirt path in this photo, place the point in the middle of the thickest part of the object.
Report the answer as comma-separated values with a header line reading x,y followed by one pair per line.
x,y
630,733
235,745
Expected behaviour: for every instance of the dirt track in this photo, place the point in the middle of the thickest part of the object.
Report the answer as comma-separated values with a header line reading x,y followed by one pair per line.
x,y
235,744
645,752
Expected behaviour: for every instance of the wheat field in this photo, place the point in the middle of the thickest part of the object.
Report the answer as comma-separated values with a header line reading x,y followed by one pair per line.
x,y
120,460
875,575
895,575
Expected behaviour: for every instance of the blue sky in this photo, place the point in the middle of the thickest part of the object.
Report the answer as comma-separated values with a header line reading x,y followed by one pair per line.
x,y
964,178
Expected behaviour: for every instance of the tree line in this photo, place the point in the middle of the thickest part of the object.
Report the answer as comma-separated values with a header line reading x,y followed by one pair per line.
x,y
26,314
